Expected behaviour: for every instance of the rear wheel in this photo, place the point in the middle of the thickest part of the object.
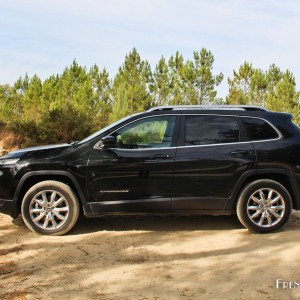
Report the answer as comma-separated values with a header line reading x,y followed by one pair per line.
x,y
50,208
264,206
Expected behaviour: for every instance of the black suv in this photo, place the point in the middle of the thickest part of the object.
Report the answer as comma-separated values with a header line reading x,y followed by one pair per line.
x,y
167,160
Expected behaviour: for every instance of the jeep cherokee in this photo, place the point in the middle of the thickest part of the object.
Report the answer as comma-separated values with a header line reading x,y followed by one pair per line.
x,y
167,160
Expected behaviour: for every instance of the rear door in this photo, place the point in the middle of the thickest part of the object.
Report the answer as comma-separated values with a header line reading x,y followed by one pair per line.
x,y
209,161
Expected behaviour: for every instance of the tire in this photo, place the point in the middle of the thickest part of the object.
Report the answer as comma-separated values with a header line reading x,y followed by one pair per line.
x,y
50,208
264,206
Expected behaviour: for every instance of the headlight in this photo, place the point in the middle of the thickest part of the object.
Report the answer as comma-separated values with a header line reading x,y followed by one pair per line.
x,y
8,161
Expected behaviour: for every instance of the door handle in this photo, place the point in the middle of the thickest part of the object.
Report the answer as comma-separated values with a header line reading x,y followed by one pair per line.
x,y
240,152
160,156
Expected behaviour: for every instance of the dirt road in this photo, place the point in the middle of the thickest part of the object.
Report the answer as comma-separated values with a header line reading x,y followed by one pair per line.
x,y
149,258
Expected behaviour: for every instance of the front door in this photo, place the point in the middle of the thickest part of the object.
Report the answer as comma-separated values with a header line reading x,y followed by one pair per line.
x,y
136,174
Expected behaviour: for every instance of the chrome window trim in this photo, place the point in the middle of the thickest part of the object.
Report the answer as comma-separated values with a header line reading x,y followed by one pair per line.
x,y
193,146
237,116
179,147
209,145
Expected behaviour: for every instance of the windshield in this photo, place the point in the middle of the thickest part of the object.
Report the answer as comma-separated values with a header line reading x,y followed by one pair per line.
x,y
106,128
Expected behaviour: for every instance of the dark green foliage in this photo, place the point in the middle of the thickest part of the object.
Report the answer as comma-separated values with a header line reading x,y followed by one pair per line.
x,y
161,86
71,105
64,107
130,88
273,89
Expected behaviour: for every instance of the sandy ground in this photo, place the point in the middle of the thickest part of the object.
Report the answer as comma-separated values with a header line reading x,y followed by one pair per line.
x,y
149,258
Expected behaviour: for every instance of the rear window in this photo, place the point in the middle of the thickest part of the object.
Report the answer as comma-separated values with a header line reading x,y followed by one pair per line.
x,y
204,130
258,129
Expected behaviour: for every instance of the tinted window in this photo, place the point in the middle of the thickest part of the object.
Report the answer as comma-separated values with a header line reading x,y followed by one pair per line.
x,y
155,132
203,130
259,129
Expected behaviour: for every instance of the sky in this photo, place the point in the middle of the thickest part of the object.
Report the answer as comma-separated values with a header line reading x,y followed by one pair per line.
x,y
44,37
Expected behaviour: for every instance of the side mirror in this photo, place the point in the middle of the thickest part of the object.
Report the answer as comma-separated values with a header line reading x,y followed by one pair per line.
x,y
107,142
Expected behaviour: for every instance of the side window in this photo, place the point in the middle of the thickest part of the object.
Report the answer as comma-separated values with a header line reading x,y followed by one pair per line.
x,y
258,129
204,130
152,132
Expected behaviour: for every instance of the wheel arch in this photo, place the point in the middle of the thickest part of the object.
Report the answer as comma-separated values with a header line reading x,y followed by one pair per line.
x,y
284,177
31,178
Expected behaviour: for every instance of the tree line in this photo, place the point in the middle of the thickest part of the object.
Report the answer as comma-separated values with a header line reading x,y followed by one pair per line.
x,y
71,105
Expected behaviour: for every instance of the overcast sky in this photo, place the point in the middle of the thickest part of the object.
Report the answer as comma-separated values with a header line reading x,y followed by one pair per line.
x,y
44,37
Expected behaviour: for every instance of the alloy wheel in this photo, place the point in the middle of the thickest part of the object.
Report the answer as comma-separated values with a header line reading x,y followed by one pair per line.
x,y
49,210
266,207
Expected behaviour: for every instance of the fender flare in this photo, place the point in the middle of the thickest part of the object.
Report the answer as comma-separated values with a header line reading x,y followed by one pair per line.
x,y
85,206
294,186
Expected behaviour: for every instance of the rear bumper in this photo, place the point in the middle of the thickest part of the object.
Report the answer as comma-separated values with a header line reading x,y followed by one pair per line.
x,y
7,207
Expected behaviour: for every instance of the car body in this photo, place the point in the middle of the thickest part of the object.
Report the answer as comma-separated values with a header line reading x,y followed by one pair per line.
x,y
173,159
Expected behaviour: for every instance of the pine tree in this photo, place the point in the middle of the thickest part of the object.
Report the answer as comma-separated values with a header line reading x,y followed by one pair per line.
x,y
6,107
239,86
258,88
189,80
31,102
285,98
205,81
272,89
102,100
120,108
161,87
176,64
135,77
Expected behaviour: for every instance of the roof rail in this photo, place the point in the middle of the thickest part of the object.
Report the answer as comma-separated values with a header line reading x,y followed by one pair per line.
x,y
208,107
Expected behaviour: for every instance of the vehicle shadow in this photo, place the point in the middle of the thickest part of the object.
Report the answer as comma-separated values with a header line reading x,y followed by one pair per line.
x,y
155,223
169,223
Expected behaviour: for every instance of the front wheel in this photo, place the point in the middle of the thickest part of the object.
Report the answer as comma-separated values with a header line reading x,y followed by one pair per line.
x,y
264,206
50,208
